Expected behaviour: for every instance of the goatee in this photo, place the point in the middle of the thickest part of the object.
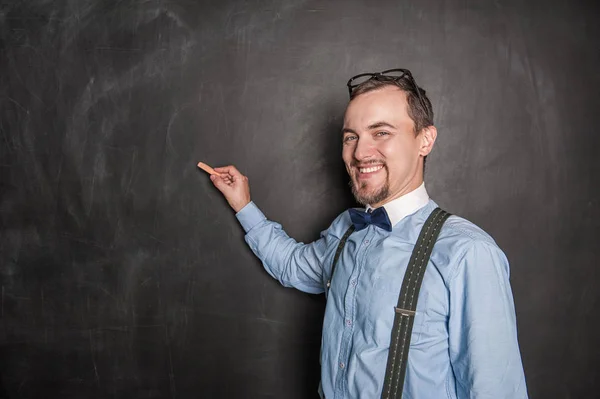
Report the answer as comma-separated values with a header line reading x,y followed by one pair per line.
x,y
369,197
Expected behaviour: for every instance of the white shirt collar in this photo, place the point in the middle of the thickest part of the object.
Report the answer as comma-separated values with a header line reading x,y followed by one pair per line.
x,y
406,205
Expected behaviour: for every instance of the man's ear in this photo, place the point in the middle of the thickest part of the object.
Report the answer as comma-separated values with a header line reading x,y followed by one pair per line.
x,y
427,137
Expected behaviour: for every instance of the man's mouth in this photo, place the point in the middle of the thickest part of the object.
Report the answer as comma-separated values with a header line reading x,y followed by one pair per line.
x,y
371,169
367,173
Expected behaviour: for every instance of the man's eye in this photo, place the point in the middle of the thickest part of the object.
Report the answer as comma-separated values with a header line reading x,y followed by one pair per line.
x,y
349,138
382,133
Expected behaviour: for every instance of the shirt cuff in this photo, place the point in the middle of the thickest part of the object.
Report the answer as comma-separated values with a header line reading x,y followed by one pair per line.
x,y
249,216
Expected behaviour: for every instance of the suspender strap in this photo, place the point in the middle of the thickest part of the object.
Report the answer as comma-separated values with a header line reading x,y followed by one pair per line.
x,y
407,305
339,251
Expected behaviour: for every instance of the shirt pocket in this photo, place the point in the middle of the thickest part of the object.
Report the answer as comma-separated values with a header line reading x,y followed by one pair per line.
x,y
381,312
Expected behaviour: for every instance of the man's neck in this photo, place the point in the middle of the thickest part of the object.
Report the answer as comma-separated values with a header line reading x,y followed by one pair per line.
x,y
411,186
406,204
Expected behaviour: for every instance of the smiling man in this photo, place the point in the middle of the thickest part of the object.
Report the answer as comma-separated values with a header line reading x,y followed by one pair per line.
x,y
383,155
419,303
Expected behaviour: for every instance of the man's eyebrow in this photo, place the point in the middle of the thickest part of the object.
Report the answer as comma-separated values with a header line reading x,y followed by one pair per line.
x,y
377,125
372,126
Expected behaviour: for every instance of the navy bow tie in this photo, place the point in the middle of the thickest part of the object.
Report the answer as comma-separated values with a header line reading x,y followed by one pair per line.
x,y
378,217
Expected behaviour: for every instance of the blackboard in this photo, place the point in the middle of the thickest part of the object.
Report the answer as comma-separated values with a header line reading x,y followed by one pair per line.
x,y
124,273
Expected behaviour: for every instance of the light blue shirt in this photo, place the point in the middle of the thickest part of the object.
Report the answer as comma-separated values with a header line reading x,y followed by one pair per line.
x,y
464,339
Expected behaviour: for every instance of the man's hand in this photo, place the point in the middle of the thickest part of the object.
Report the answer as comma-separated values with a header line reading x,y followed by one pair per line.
x,y
233,185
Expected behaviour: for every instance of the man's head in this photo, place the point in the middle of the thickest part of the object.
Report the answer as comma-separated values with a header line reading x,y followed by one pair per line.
x,y
388,131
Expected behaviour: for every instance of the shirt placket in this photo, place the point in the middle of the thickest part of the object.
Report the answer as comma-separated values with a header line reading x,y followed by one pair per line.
x,y
348,316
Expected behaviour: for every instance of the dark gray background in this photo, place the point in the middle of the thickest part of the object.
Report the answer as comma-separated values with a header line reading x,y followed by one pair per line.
x,y
124,273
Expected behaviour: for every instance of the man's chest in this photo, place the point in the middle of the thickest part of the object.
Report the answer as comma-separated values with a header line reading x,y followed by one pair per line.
x,y
367,284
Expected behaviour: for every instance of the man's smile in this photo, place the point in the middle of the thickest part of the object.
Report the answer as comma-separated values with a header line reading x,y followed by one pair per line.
x,y
366,172
371,169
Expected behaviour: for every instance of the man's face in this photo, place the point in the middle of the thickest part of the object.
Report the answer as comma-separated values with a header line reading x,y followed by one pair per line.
x,y
383,156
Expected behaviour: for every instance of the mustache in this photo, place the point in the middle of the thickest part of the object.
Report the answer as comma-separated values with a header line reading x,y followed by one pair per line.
x,y
355,164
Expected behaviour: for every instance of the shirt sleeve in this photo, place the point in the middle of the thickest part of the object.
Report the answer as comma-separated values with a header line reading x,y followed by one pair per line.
x,y
293,263
484,351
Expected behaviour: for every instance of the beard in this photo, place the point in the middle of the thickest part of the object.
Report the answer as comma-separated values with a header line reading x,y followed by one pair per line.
x,y
364,197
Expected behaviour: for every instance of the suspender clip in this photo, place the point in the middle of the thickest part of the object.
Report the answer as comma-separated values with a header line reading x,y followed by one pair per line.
x,y
405,312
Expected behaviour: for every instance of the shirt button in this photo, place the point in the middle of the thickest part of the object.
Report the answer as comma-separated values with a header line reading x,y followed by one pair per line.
x,y
353,282
341,365
349,322
366,242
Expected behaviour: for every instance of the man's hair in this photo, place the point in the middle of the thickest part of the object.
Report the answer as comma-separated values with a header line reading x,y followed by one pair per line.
x,y
421,115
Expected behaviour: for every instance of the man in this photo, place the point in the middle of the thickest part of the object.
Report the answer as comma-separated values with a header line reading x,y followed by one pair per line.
x,y
464,340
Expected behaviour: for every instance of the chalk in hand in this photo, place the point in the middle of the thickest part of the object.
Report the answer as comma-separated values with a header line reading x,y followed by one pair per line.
x,y
207,169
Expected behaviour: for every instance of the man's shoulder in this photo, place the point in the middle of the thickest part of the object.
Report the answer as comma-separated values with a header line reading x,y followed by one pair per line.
x,y
464,232
462,244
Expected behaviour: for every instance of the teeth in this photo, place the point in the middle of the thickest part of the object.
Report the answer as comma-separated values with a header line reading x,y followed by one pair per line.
x,y
370,170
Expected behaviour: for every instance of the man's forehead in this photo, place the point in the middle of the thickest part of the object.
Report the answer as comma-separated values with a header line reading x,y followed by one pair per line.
x,y
386,104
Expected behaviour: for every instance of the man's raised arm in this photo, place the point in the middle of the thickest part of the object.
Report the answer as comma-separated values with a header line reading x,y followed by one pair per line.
x,y
294,264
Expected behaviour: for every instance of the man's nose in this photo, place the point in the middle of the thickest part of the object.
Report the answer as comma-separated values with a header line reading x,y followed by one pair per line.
x,y
363,150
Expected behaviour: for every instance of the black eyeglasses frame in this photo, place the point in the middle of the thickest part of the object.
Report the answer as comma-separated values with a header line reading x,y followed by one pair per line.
x,y
382,76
